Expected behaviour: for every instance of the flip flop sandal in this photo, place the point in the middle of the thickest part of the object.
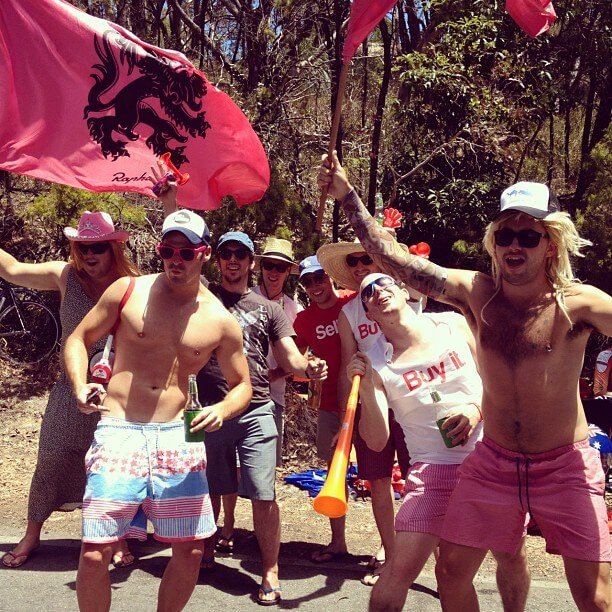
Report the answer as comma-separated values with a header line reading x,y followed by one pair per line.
x,y
123,559
326,556
19,559
374,563
269,602
225,544
372,578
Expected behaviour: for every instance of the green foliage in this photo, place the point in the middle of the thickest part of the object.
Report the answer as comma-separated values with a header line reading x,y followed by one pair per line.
x,y
596,220
62,206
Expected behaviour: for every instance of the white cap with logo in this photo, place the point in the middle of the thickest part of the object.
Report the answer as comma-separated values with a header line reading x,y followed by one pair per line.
x,y
534,199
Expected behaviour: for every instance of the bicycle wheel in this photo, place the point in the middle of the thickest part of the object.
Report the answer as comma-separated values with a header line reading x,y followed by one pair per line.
x,y
33,341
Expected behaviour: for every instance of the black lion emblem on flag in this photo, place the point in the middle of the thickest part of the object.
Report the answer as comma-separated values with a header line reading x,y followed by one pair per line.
x,y
178,91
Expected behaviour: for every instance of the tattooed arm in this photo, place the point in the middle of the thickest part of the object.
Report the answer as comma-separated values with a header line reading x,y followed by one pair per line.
x,y
450,286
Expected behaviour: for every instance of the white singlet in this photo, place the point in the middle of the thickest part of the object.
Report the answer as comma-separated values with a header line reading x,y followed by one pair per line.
x,y
448,369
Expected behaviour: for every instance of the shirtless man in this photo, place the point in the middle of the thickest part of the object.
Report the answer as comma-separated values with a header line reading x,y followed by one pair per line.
x,y
170,326
531,320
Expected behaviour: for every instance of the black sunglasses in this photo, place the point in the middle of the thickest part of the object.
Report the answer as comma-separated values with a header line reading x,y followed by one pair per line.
x,y
270,266
527,238
383,282
240,253
97,248
353,260
185,253
313,278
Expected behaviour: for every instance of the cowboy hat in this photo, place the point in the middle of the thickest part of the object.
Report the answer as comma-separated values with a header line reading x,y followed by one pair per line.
x,y
279,249
95,227
333,259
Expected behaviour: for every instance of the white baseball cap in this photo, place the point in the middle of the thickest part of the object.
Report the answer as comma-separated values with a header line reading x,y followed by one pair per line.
x,y
189,224
534,199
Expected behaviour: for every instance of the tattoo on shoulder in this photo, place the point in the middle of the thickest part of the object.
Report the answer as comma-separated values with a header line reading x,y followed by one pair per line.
x,y
393,258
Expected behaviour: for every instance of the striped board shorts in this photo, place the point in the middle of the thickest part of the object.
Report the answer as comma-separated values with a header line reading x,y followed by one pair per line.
x,y
140,471
427,493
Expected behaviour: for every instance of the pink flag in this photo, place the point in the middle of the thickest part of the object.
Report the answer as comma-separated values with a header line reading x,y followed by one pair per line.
x,y
365,16
532,16
86,103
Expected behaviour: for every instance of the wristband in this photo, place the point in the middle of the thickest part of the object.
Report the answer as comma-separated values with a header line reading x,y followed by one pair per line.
x,y
162,185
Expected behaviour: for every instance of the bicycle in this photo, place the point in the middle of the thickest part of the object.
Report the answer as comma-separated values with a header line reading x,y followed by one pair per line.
x,y
29,331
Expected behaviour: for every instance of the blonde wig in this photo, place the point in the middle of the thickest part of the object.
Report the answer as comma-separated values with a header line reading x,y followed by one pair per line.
x,y
563,235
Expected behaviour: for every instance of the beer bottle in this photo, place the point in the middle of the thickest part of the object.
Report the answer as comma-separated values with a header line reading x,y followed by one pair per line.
x,y
314,392
192,409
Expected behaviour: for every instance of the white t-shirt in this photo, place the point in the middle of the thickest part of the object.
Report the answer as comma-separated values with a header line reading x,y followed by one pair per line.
x,y
365,331
449,369
291,308
602,385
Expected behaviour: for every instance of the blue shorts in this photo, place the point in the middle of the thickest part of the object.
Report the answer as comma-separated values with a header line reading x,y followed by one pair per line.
x,y
148,466
254,436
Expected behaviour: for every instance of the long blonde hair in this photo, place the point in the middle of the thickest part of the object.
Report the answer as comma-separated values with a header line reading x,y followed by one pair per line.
x,y
122,264
563,235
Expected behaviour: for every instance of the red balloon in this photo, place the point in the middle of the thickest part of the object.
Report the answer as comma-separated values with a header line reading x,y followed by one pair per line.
x,y
423,249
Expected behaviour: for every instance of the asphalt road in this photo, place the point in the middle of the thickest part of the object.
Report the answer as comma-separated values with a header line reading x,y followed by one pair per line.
x,y
47,582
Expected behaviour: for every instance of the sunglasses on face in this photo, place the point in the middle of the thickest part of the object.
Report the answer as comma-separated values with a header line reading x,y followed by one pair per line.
x,y
313,278
239,254
527,238
353,260
97,248
384,282
270,266
185,253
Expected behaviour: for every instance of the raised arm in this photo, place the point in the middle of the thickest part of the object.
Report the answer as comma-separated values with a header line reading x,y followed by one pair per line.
x,y
374,420
449,286
46,276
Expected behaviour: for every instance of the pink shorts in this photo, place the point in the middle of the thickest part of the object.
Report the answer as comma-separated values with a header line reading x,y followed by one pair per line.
x,y
561,489
428,490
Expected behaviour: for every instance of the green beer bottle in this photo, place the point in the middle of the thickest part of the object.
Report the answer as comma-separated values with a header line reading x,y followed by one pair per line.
x,y
192,409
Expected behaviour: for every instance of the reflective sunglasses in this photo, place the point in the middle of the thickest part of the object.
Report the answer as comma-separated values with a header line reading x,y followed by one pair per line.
x,y
527,238
384,282
270,266
239,254
353,260
97,248
185,253
313,278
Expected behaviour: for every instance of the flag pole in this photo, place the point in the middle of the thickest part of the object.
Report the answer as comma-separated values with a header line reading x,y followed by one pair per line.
x,y
333,137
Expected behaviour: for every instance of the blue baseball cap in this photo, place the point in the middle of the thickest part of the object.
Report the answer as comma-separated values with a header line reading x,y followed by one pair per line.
x,y
309,265
240,237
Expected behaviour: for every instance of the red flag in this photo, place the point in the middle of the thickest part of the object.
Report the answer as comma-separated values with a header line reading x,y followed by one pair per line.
x,y
365,16
88,104
532,16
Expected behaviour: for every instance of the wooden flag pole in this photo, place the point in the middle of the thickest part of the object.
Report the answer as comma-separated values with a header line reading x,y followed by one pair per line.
x,y
333,137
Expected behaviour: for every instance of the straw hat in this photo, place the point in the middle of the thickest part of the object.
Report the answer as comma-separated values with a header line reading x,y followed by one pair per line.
x,y
333,259
277,248
95,227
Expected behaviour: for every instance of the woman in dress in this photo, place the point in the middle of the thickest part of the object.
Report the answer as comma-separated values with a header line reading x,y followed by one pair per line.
x,y
97,259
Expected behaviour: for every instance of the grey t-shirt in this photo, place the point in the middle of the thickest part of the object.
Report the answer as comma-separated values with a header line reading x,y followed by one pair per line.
x,y
262,322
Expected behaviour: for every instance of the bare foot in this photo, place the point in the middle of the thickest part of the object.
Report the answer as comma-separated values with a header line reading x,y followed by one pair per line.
x,y
122,557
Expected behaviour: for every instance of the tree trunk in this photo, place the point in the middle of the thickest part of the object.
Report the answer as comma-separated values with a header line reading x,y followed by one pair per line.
x,y
581,183
380,108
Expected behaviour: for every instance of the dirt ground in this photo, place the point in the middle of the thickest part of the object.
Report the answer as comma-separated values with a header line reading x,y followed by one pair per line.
x,y
23,396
